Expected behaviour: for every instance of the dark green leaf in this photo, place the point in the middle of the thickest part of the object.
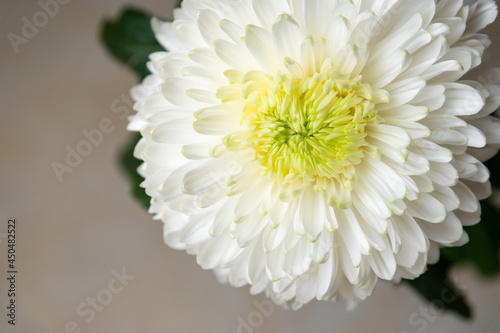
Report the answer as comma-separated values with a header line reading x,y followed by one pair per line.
x,y
130,165
493,165
482,249
131,40
434,286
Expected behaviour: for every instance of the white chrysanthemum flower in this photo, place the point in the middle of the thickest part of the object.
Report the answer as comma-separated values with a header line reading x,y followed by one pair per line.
x,y
310,147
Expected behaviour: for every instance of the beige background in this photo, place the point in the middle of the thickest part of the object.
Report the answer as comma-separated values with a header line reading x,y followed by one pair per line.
x,y
73,234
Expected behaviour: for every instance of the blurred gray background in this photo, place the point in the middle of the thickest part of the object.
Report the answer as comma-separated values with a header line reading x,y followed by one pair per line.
x,y
75,236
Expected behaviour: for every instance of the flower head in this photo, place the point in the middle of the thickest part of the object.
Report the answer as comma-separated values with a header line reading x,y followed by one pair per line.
x,y
308,148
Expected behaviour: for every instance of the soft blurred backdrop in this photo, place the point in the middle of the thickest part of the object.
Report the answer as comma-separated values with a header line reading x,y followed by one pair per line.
x,y
76,234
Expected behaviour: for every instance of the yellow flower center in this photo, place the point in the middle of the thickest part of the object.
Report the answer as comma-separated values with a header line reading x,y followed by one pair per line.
x,y
302,130
311,128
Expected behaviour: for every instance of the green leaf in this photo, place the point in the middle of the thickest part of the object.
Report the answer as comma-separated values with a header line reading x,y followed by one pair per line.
x,y
131,40
130,164
434,286
493,165
482,249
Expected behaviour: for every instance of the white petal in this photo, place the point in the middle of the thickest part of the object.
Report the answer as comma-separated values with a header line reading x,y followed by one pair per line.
x,y
447,197
383,264
427,208
272,237
297,261
469,219
287,37
457,28
174,90
320,251
222,219
164,33
205,56
372,201
250,199
406,257
350,271
259,43
196,231
316,13
208,23
461,100
188,33
443,67
233,55
448,137
268,11
397,38
179,131
483,14
377,223
403,91
337,34
326,275
439,120
490,127
382,179
415,130
431,151
393,136
431,97
381,72
447,231
209,174
218,251
448,8
425,57
475,138
274,264
405,111
312,213
468,202
443,174
162,155
220,125
410,233
232,30
355,241
247,229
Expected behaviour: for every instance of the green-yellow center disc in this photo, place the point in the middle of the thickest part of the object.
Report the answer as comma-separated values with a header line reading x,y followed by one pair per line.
x,y
311,128
303,130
